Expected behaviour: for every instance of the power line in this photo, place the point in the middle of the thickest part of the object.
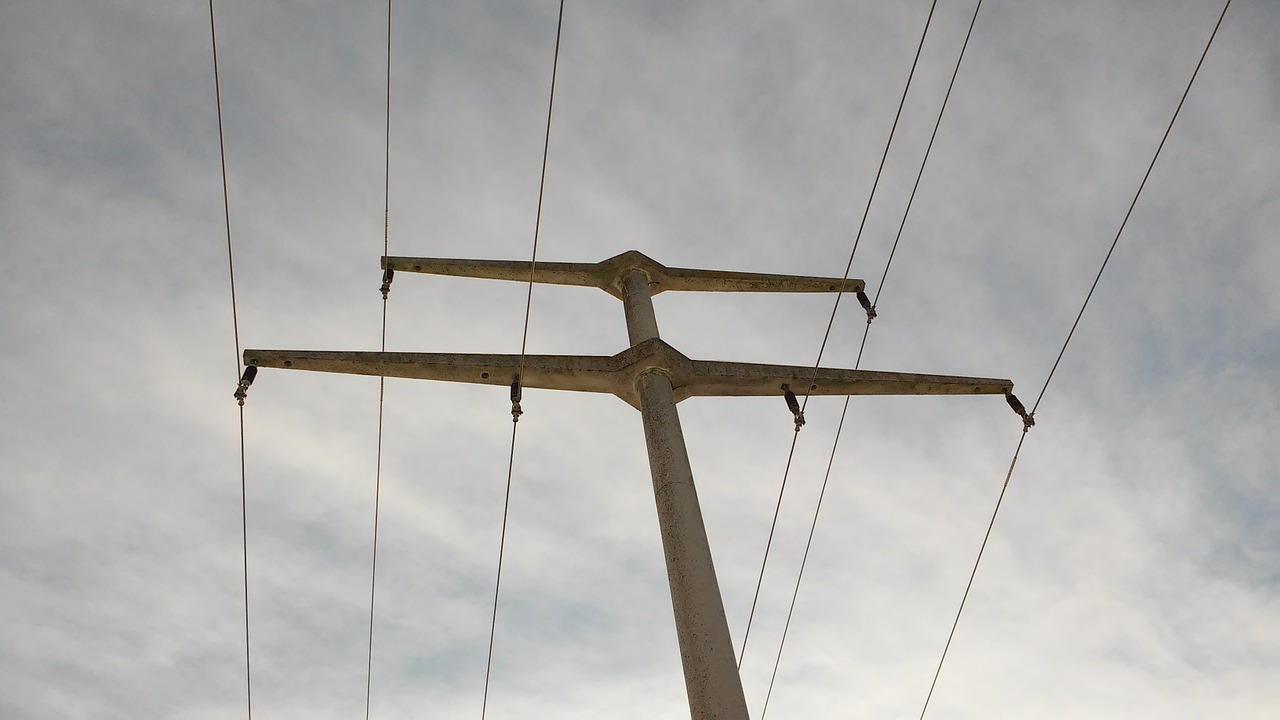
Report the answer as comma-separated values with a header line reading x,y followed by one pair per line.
x,y
867,210
1132,204
226,203
777,508
542,186
235,324
843,283
862,347
969,585
515,384
803,560
1076,323
382,381
925,161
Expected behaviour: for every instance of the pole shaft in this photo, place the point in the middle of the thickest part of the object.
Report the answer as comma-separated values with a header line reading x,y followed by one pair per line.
x,y
642,323
706,650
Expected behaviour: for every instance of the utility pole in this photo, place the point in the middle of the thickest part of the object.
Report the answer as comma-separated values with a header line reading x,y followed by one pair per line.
x,y
651,376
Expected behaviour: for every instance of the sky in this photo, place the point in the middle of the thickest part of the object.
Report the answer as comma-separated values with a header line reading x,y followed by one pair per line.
x,y
1133,568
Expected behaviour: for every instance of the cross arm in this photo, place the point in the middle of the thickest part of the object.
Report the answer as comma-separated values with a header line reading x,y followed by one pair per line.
x,y
606,274
586,373
617,374
731,281
553,273
715,378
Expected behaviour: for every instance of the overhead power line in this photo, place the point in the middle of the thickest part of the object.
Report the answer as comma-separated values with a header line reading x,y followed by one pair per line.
x,y
382,381
245,377
524,341
1132,204
862,346
982,548
826,335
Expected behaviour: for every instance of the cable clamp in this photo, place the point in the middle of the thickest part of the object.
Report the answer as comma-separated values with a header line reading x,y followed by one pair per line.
x,y
1028,419
386,282
516,412
794,406
242,389
866,305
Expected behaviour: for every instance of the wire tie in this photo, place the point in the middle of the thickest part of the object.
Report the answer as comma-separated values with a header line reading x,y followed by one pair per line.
x,y
794,406
1028,419
386,282
516,412
866,305
242,390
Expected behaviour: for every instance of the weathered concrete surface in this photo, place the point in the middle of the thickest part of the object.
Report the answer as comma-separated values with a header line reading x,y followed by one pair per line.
x,y
652,376
636,287
711,678
607,274
617,374
706,650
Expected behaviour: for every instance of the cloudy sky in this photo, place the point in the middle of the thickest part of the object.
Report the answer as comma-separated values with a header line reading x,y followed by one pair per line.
x,y
1132,572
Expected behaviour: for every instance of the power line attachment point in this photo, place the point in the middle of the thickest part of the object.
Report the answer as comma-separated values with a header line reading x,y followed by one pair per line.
x,y
866,305
516,412
794,406
242,389
1028,419
387,275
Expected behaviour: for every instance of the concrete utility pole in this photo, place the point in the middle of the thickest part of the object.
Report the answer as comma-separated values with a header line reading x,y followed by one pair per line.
x,y
651,376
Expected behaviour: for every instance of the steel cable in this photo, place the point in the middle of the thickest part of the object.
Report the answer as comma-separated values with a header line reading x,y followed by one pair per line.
x,y
826,335
862,347
235,324
1132,204
382,381
977,561
524,340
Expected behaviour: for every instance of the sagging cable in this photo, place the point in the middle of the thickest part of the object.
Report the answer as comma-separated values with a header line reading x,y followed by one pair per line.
x,y
1028,419
866,305
386,282
242,389
794,406
516,412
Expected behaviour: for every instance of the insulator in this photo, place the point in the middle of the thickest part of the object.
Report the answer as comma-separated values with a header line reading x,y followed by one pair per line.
x,y
516,411
1028,419
793,405
1015,403
866,305
387,275
246,379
